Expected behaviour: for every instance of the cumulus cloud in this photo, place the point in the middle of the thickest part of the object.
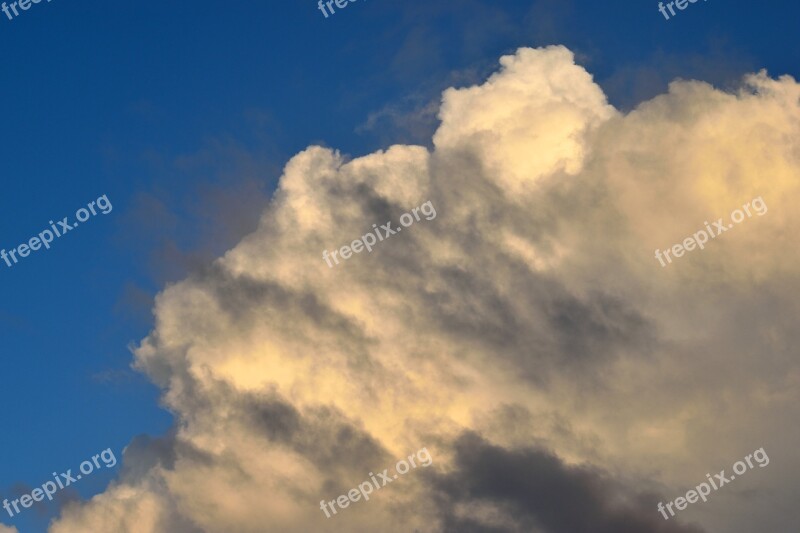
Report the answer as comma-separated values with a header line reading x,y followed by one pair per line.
x,y
560,377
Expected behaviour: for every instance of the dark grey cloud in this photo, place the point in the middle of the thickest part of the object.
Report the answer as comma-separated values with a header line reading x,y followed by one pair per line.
x,y
542,493
322,435
145,452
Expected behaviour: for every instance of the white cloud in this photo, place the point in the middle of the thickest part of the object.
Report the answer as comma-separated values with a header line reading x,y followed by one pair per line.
x,y
531,310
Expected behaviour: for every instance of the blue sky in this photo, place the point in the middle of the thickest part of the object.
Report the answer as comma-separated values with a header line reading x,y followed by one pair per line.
x,y
184,114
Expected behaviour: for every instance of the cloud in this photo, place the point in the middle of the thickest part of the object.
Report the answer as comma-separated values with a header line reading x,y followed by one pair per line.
x,y
415,121
559,376
175,235
540,493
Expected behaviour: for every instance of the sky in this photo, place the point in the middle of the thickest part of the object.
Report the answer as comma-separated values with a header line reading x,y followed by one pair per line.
x,y
525,335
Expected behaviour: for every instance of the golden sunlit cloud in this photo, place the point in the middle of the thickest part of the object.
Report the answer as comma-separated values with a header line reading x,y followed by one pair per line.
x,y
527,337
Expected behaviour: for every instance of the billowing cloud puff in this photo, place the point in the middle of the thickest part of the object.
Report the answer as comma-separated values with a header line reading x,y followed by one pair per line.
x,y
561,378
